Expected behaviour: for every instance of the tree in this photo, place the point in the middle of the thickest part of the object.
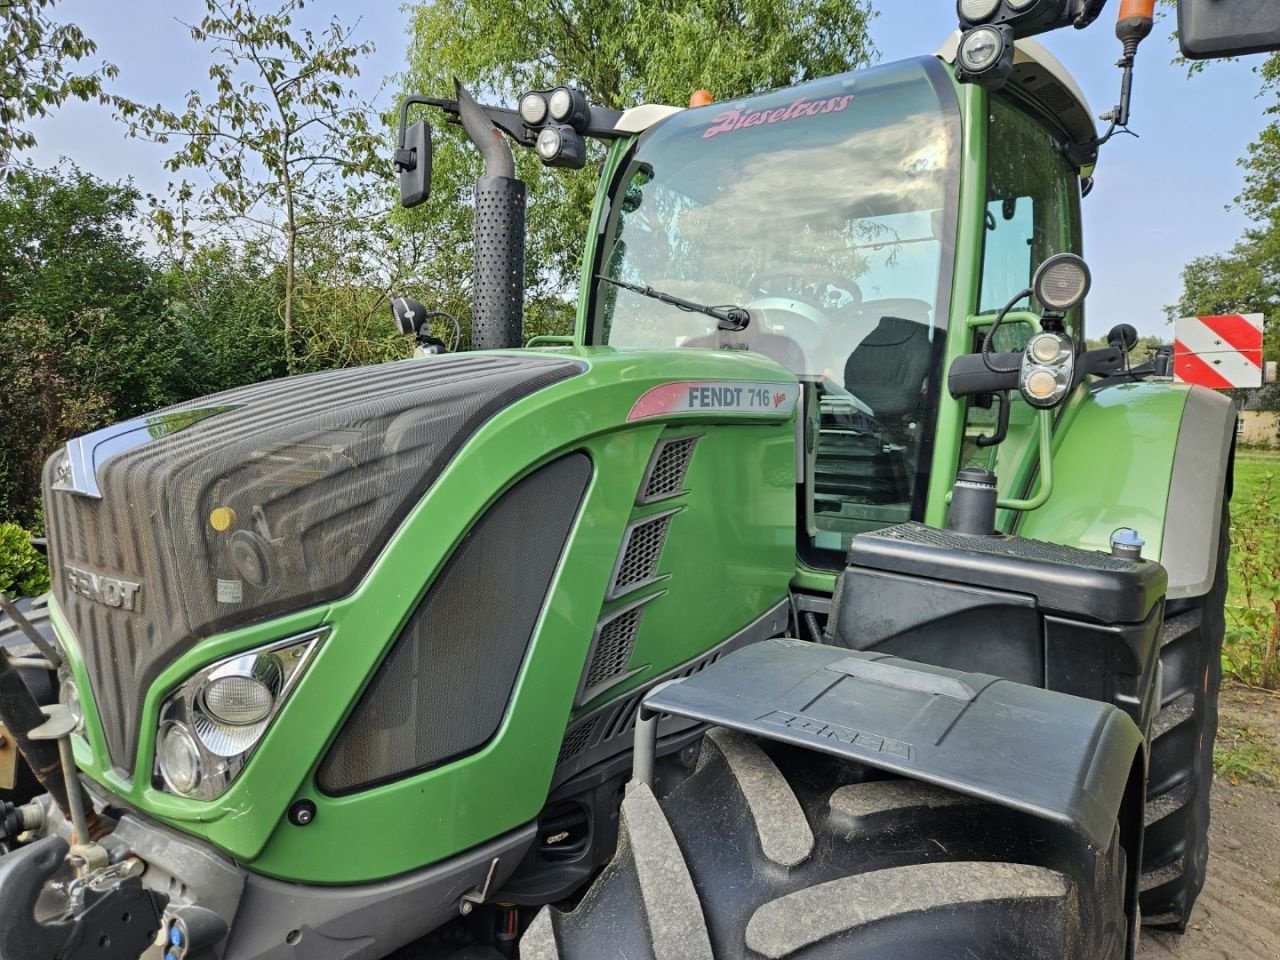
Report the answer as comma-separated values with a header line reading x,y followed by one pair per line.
x,y
1247,278
282,140
36,71
620,53
86,334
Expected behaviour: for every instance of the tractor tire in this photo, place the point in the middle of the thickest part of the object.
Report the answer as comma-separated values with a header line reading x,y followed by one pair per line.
x,y
1175,848
771,851
41,683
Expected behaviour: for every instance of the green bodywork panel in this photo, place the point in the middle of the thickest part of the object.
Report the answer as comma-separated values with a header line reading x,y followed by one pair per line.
x,y
1113,463
735,525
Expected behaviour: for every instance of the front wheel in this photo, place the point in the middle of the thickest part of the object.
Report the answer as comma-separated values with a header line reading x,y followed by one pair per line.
x,y
1175,846
771,851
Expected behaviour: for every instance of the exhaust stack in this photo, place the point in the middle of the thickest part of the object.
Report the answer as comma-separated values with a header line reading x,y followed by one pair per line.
x,y
498,317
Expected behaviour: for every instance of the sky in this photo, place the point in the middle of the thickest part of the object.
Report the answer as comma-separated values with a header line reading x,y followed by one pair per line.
x,y
1160,200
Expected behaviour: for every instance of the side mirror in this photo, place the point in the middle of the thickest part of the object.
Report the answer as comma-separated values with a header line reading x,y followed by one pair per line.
x,y
413,162
1212,28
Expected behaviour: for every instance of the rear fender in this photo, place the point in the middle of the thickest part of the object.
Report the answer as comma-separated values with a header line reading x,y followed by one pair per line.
x,y
1152,456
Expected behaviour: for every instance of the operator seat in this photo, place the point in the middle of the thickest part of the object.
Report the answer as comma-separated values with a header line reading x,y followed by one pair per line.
x,y
887,370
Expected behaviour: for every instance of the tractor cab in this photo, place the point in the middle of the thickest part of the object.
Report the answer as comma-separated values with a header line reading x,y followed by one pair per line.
x,y
841,217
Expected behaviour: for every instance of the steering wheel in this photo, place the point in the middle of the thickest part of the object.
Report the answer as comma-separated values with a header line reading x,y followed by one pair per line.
x,y
811,284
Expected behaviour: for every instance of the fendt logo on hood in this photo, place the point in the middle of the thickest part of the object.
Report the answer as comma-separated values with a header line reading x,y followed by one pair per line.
x,y
108,591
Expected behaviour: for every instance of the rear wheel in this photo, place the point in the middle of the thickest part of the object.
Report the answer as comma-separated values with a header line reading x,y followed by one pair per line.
x,y
771,851
1175,850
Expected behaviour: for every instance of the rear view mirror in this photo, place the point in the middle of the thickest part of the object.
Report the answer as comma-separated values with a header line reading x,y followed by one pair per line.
x,y
1227,28
413,161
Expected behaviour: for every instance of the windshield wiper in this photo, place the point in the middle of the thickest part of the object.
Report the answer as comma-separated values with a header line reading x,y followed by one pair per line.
x,y
729,317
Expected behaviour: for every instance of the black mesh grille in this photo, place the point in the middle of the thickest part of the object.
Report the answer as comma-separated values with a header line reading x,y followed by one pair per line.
x,y
611,652
444,687
640,554
576,740
670,464
314,474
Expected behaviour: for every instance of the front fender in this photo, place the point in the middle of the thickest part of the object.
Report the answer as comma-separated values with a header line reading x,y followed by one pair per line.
x,y
1062,758
1152,456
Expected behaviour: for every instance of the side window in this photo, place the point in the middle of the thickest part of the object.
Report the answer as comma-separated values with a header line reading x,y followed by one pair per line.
x,y
1033,207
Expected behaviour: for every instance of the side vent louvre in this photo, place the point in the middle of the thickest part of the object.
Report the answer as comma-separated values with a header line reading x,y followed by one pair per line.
x,y
611,649
641,551
576,740
665,477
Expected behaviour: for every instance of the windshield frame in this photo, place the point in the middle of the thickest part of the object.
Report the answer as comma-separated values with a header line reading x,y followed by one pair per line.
x,y
951,115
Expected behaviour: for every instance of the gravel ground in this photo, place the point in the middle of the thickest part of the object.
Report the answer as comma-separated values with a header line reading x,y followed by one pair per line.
x,y
1238,914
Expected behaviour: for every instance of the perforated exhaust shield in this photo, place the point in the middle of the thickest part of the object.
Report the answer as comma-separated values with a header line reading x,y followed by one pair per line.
x,y
280,502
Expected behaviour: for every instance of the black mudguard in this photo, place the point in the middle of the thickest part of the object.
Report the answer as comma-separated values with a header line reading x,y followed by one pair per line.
x,y
1063,758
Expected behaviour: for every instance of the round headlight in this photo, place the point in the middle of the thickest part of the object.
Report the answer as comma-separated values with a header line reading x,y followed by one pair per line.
x,y
549,142
533,108
69,697
1062,282
1041,385
1019,5
975,11
179,759
980,49
561,103
1046,348
238,700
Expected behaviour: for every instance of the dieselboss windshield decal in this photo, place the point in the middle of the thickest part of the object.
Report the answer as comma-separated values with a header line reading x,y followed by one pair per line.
x,y
742,397
730,121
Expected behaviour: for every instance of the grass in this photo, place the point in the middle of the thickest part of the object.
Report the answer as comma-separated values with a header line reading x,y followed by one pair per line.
x,y
1243,753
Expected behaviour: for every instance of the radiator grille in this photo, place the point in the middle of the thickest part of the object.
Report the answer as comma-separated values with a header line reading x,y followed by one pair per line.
x,y
641,551
615,640
667,469
443,690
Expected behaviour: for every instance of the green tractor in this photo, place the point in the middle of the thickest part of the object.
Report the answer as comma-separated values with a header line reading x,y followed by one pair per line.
x,y
821,597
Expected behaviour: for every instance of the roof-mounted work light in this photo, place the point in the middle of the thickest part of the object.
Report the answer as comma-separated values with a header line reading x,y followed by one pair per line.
x,y
985,56
559,145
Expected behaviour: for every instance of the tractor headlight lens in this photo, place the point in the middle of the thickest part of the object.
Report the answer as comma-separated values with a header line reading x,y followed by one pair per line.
x,y
179,759
1041,384
980,49
561,104
975,11
549,143
533,108
1046,348
221,713
237,700
1062,282
69,697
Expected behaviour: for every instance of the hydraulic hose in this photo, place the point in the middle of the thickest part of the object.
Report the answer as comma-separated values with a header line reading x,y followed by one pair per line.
x,y
21,714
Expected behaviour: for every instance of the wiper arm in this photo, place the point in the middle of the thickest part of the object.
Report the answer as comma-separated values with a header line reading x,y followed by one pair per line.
x,y
729,317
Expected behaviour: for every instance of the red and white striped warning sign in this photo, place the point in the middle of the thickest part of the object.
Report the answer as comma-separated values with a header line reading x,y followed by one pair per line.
x,y
1219,352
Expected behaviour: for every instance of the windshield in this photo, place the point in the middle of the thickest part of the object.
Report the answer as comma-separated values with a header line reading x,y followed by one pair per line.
x,y
827,210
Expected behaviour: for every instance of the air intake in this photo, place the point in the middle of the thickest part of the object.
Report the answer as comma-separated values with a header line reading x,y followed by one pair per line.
x,y
611,649
641,550
667,468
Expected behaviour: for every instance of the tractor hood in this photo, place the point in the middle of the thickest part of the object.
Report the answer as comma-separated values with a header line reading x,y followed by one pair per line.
x,y
272,497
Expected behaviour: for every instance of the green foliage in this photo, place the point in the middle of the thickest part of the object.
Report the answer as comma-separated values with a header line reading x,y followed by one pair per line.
x,y
1252,649
23,572
284,145
87,338
1247,278
620,53
37,55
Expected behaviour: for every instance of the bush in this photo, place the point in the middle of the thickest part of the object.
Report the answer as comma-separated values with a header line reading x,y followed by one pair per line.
x,y
23,572
1252,649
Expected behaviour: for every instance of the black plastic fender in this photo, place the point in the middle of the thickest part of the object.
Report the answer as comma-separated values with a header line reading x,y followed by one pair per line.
x,y
1063,758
